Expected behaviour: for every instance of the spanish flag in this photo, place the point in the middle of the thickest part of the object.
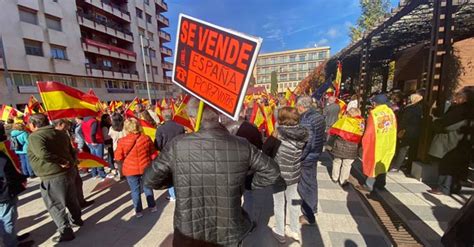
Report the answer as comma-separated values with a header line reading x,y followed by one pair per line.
x,y
269,119
112,106
257,117
181,115
290,97
34,106
62,101
6,149
337,81
348,128
8,112
342,107
158,111
379,141
164,104
148,129
87,160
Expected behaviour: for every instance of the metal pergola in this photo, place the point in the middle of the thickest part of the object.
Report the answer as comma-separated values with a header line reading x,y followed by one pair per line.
x,y
433,24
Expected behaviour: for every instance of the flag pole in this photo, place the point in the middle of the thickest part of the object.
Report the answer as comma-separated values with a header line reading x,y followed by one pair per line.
x,y
199,116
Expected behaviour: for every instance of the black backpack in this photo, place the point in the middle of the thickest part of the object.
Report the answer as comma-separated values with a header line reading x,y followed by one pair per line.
x,y
12,182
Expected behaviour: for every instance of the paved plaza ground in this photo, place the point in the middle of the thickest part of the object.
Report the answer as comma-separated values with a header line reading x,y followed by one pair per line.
x,y
343,220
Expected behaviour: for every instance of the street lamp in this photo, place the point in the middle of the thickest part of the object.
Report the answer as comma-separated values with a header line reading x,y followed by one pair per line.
x,y
144,67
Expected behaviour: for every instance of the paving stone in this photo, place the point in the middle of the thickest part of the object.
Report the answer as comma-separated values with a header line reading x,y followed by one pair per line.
x,y
354,240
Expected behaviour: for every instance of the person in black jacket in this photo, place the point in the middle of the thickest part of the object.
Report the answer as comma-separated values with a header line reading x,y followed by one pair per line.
x,y
293,139
409,125
208,170
164,134
307,186
12,183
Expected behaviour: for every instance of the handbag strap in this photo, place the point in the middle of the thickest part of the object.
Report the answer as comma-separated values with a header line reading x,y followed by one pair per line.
x,y
134,143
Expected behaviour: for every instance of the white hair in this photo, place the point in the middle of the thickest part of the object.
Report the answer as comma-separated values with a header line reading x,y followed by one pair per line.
x,y
304,101
208,114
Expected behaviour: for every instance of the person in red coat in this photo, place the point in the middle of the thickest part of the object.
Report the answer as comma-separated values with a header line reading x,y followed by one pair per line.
x,y
135,151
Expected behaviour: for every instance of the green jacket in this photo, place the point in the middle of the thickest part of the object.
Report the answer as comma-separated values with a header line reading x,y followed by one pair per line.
x,y
48,149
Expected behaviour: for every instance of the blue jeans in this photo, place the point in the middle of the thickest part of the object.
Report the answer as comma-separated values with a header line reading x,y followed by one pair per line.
x,y
97,150
8,217
25,165
136,183
171,192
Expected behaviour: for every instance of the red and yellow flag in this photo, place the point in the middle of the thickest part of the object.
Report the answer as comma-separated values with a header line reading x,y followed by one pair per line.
x,y
269,119
7,150
158,112
257,117
379,141
342,107
34,106
8,112
148,129
337,81
87,160
181,115
290,97
348,128
62,101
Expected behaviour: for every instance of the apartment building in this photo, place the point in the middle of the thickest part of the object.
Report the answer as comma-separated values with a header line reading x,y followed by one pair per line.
x,y
85,44
291,66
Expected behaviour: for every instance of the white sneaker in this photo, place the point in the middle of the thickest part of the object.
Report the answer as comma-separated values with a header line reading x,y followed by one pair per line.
x,y
110,175
138,215
154,209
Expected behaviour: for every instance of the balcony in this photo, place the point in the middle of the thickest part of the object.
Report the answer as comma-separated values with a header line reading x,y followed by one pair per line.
x,y
162,6
166,51
164,36
110,8
167,80
107,72
109,28
96,47
162,21
167,65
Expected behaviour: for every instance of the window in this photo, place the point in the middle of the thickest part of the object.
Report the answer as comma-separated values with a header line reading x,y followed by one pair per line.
x,y
28,15
145,51
147,2
152,53
293,76
33,47
283,77
127,85
148,69
150,36
292,67
148,18
107,63
155,70
22,79
302,57
292,58
141,31
53,23
322,55
58,52
139,13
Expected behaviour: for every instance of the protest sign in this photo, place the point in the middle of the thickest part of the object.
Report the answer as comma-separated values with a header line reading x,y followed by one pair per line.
x,y
214,64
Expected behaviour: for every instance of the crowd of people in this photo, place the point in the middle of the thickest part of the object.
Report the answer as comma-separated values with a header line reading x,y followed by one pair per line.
x,y
209,171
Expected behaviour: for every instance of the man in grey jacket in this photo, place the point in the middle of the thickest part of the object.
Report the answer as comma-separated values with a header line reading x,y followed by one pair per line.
x,y
208,170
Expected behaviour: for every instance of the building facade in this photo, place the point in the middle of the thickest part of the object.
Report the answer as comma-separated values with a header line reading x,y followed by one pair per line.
x,y
291,66
85,44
